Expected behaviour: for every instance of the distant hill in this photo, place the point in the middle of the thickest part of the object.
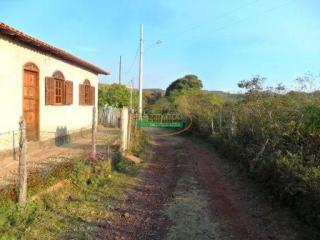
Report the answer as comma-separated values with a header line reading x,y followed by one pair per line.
x,y
156,91
161,92
216,92
224,94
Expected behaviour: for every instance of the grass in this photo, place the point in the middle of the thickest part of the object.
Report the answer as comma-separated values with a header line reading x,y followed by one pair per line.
x,y
79,207
139,143
189,213
74,211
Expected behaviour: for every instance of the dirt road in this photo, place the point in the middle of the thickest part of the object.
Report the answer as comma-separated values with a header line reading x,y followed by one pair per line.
x,y
187,192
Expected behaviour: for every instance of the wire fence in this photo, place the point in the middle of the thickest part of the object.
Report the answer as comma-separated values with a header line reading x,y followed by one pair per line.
x,y
45,153
9,140
109,116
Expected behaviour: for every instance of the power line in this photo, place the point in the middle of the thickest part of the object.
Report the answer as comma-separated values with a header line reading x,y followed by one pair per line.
x,y
249,17
190,28
136,56
133,63
263,12
222,15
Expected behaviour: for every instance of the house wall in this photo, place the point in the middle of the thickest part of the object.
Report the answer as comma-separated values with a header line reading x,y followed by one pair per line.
x,y
73,117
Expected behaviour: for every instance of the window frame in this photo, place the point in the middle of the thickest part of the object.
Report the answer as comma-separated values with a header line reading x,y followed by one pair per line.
x,y
59,85
58,89
85,94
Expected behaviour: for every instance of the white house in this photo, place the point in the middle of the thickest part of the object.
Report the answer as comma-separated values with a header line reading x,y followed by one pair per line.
x,y
50,88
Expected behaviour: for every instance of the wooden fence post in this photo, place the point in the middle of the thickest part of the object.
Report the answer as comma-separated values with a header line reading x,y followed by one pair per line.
x,y
134,124
129,129
22,164
94,133
124,129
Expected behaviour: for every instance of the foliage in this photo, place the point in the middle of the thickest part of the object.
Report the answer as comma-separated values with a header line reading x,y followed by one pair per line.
x,y
274,135
187,82
188,102
14,222
139,143
312,119
162,106
252,85
116,95
152,96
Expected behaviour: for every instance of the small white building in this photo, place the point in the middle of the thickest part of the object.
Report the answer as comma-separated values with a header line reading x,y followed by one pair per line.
x,y
50,88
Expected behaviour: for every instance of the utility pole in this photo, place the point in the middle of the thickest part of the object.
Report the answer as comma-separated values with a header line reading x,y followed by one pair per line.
x,y
141,72
120,71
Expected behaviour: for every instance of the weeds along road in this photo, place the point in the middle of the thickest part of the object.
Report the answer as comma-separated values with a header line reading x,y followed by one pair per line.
x,y
187,192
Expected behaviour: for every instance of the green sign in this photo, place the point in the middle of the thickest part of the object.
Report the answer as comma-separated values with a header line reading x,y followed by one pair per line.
x,y
162,121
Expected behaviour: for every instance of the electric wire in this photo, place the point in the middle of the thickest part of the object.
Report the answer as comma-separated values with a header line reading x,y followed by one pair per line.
x,y
221,16
133,62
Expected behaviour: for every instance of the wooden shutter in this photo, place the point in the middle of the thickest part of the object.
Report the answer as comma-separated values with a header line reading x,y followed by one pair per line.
x,y
81,94
69,92
63,91
50,91
93,96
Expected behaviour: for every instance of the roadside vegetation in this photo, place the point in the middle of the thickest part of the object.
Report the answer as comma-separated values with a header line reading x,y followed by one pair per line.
x,y
71,201
273,133
117,95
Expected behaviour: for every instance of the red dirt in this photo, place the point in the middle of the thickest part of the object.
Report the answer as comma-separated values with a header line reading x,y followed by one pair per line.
x,y
140,217
234,202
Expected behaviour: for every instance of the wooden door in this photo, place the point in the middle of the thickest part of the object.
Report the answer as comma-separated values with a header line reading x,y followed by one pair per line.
x,y
31,104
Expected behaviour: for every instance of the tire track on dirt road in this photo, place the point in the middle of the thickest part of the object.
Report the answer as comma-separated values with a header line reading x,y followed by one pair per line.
x,y
141,215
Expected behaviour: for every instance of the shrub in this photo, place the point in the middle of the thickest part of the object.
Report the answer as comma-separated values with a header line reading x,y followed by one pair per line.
x,y
275,137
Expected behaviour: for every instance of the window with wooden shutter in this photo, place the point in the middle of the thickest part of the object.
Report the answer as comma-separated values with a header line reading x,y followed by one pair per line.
x,y
93,95
58,91
50,91
86,93
69,92
59,87
82,94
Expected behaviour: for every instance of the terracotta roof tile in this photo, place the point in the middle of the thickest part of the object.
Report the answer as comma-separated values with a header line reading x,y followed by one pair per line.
x,y
44,47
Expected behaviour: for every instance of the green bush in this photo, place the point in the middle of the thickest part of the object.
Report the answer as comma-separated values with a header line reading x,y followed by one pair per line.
x,y
275,137
139,143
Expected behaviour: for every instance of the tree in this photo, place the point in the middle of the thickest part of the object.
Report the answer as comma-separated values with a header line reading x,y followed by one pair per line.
x,y
253,85
152,96
280,88
187,82
306,83
115,95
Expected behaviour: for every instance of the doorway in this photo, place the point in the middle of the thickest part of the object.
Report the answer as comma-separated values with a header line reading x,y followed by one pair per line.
x,y
31,101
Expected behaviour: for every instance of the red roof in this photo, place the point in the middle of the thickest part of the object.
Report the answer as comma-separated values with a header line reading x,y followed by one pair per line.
x,y
46,48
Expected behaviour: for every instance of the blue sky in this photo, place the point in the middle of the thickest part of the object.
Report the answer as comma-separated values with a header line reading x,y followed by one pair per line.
x,y
222,42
